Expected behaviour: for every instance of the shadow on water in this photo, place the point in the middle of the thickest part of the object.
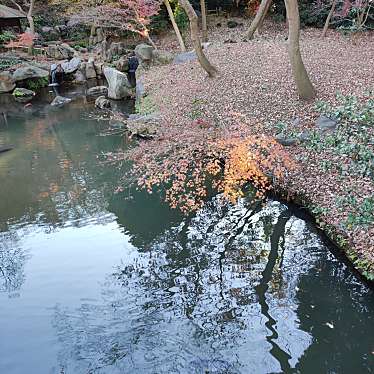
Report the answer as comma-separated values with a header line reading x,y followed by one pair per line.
x,y
250,288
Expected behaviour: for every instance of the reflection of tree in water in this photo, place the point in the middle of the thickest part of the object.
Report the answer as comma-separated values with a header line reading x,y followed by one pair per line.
x,y
12,262
215,293
53,173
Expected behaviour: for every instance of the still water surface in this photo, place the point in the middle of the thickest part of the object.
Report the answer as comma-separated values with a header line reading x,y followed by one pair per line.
x,y
93,281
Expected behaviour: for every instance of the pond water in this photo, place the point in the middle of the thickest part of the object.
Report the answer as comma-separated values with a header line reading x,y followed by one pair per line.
x,y
94,281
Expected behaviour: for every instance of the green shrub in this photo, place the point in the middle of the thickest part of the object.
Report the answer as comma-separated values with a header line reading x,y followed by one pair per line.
x,y
6,37
181,18
36,84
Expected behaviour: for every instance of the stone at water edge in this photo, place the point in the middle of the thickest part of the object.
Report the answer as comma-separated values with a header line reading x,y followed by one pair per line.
x,y
29,71
102,103
90,71
7,83
98,91
143,126
23,95
60,101
119,86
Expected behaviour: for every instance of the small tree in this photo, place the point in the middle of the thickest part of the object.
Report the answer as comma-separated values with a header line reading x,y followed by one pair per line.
x,y
204,20
304,86
329,16
259,18
194,26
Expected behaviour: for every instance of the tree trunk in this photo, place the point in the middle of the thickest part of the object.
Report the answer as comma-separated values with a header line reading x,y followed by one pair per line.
x,y
304,86
333,5
175,26
194,25
30,19
204,21
259,18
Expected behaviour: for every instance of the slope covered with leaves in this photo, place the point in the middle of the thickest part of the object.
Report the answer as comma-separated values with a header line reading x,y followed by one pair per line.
x,y
255,85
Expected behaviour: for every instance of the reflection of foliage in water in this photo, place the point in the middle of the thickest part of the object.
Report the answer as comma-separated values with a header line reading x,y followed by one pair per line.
x,y
12,262
214,291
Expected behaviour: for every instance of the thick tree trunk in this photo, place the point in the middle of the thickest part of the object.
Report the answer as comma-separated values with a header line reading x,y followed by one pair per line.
x,y
304,86
194,25
175,26
204,20
259,18
333,5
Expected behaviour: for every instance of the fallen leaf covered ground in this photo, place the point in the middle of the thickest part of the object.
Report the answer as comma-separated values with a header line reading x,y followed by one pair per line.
x,y
255,83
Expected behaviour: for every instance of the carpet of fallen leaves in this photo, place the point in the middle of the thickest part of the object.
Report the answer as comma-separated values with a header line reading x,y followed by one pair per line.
x,y
255,84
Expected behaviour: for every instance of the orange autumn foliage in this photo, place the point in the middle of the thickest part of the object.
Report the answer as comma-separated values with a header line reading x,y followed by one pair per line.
x,y
191,163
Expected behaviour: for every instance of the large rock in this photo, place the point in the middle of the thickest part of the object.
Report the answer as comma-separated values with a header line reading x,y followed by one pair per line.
x,y
144,53
60,51
60,101
6,82
72,65
102,103
119,86
29,71
97,91
23,95
162,57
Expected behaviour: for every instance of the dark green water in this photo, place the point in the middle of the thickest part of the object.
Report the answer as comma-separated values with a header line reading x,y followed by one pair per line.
x,y
97,282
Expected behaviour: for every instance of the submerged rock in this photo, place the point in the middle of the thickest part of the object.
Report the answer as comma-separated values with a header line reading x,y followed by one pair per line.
x,y
102,103
119,86
7,83
60,101
97,91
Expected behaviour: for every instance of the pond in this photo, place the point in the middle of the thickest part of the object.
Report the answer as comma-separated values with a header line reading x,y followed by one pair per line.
x,y
93,280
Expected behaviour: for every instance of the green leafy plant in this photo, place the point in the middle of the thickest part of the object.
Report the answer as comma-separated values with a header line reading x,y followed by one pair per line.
x,y
6,37
36,84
